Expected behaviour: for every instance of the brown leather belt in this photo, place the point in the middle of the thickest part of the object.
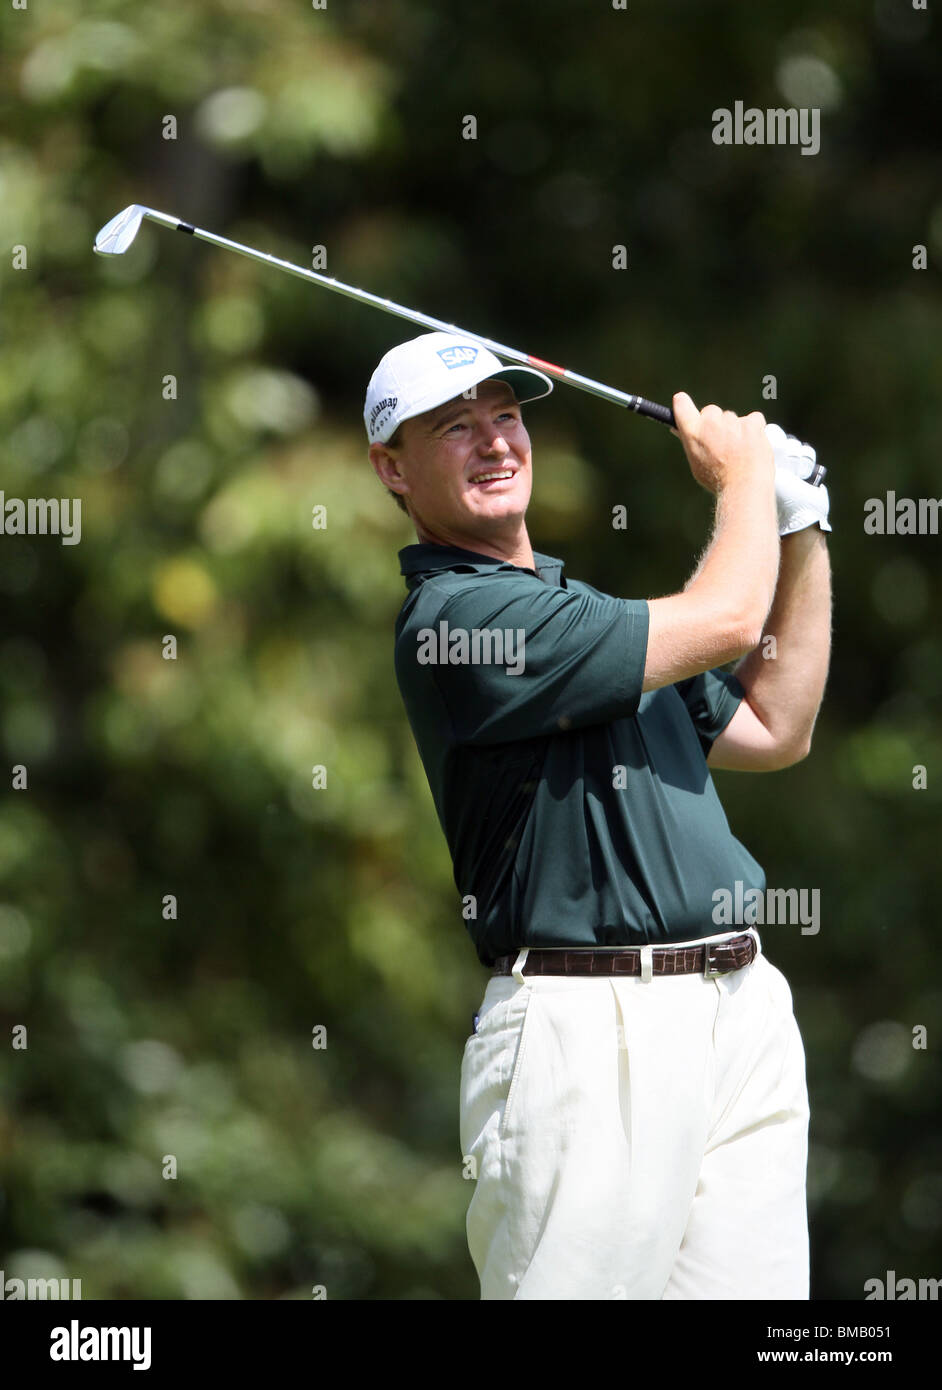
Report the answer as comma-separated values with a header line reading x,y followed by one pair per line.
x,y
713,958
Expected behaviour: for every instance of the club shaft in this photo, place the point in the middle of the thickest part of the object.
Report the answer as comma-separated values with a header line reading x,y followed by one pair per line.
x,y
597,388
650,409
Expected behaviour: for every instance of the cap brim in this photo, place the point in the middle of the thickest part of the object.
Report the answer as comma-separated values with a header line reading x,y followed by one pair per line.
x,y
522,379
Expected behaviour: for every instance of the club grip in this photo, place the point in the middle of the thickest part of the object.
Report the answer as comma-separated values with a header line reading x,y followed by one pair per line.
x,y
654,411
666,416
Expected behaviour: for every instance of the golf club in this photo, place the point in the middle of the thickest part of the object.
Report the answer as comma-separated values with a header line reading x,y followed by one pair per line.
x,y
118,234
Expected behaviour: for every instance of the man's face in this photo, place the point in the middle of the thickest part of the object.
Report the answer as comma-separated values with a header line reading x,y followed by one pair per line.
x,y
444,457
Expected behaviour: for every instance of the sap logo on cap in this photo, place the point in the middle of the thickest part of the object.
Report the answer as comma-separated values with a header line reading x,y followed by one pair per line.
x,y
457,356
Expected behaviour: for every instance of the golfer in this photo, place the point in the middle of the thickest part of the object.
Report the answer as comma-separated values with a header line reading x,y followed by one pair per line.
x,y
633,1101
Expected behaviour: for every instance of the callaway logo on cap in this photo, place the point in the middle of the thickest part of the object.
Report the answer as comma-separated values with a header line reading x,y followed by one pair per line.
x,y
427,371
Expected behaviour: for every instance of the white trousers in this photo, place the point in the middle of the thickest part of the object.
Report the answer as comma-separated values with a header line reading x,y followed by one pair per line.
x,y
637,1140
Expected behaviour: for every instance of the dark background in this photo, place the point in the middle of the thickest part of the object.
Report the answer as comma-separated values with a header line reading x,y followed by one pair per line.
x,y
297,907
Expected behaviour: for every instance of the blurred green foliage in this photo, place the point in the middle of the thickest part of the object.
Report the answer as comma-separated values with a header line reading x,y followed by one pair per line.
x,y
341,127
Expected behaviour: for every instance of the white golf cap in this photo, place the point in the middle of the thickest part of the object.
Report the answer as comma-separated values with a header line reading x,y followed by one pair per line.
x,y
427,371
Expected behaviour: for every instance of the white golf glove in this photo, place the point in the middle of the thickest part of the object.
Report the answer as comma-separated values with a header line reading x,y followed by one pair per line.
x,y
799,503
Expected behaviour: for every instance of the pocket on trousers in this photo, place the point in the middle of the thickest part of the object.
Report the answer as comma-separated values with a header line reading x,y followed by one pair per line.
x,y
491,1065
793,1049
779,989
523,1027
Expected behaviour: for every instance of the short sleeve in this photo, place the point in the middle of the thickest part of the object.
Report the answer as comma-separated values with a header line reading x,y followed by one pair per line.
x,y
712,699
567,659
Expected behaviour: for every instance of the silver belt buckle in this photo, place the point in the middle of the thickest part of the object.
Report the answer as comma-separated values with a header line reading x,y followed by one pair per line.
x,y
709,971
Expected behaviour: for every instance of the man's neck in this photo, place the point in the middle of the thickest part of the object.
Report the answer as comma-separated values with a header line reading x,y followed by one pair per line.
x,y
514,552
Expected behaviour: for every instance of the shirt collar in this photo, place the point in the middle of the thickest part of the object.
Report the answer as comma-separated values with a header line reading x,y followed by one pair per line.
x,y
416,561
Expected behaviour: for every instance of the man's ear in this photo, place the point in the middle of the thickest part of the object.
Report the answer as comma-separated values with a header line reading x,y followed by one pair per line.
x,y
385,461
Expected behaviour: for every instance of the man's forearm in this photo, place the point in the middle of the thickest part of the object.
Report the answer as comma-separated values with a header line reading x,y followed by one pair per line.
x,y
784,678
743,555
721,610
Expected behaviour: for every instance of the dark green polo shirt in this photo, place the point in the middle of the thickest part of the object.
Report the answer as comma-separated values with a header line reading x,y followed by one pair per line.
x,y
578,810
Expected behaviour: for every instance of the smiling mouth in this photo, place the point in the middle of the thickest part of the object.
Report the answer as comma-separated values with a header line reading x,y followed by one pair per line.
x,y
494,476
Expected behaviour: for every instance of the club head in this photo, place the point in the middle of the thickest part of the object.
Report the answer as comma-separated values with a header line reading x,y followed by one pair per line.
x,y
116,236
